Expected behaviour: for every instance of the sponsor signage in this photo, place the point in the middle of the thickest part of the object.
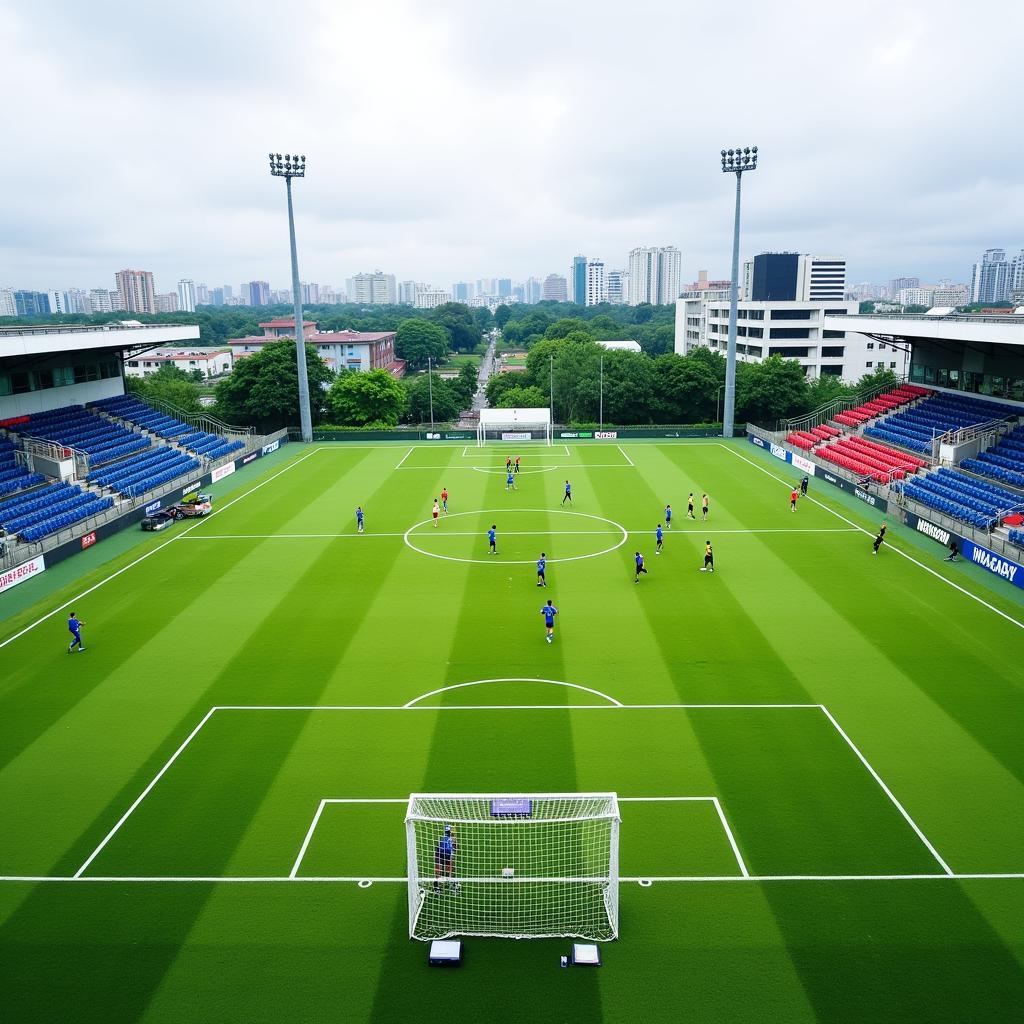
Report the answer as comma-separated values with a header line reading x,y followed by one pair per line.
x,y
249,458
803,464
20,573
868,499
88,540
606,435
194,486
222,471
433,437
873,500
585,434
779,453
458,437
929,529
996,564
272,447
754,439
517,435
153,506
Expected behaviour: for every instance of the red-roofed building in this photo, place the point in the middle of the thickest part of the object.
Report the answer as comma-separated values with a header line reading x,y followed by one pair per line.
x,y
340,350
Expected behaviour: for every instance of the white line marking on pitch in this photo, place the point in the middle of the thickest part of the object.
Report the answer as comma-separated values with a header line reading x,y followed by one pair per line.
x,y
867,533
142,796
625,456
888,792
306,841
504,533
404,457
512,679
731,838
223,508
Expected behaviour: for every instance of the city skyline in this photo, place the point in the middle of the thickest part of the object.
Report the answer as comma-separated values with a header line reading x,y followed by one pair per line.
x,y
521,167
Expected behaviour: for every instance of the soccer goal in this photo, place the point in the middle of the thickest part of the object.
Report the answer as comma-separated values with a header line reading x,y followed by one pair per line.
x,y
513,425
517,866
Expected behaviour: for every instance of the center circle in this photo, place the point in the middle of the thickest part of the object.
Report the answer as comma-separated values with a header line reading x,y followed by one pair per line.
x,y
518,561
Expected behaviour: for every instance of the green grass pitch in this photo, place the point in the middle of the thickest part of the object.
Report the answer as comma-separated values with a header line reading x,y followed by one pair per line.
x,y
818,751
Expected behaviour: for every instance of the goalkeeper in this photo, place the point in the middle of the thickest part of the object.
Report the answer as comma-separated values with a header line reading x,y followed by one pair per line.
x,y
444,857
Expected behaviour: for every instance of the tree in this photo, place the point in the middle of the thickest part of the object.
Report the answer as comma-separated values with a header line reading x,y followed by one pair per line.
x,y
168,385
566,326
361,399
879,376
500,383
457,319
263,389
767,391
528,397
628,381
447,403
467,384
418,340
684,390
501,315
483,318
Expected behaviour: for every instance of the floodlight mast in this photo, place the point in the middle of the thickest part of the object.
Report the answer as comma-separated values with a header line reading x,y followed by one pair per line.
x,y
289,167
734,161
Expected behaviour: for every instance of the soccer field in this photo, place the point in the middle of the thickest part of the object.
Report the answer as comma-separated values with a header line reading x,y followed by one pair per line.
x,y
817,752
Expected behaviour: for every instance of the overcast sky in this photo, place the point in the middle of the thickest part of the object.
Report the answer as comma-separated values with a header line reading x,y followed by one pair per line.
x,y
453,140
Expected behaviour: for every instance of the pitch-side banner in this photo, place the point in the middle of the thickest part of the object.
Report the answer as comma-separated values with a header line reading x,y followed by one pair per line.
x,y
997,564
12,577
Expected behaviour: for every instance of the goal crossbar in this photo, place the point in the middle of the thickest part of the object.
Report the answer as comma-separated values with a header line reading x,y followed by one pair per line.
x,y
518,425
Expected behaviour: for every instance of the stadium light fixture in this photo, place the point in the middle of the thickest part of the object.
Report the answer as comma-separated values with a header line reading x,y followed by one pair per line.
x,y
734,161
294,166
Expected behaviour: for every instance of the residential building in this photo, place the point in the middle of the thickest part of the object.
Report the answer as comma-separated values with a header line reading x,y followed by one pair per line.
x,y
135,291
7,304
654,275
917,297
951,295
504,287
532,290
256,293
209,361
554,289
990,279
216,296
1017,273
578,281
462,291
407,292
793,277
340,350
376,289
60,302
186,296
791,328
428,297
29,303
596,289
618,287
166,302
897,284
202,295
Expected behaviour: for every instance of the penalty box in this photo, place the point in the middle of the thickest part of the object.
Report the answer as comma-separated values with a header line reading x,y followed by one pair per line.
x,y
770,790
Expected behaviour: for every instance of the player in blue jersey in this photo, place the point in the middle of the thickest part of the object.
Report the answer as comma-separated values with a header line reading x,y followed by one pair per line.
x,y
568,493
75,629
668,517
660,537
444,858
359,518
549,611
510,482
640,568
542,564
492,539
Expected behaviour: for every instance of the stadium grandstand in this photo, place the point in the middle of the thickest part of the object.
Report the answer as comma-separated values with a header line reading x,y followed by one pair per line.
x,y
76,451
947,443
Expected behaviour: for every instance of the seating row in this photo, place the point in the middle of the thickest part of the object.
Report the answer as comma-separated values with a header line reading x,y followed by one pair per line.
x,y
36,500
950,508
22,522
880,405
94,507
1017,537
186,465
19,483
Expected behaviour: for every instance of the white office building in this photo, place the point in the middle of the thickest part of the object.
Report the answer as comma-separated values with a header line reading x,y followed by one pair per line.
x,y
209,361
373,289
596,287
618,287
990,278
428,297
186,296
7,304
654,275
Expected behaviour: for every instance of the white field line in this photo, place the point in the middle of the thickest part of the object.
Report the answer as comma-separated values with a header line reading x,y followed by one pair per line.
x,y
513,679
889,793
523,472
732,839
625,456
199,522
490,453
504,533
867,533
142,796
401,879
306,841
505,707
404,457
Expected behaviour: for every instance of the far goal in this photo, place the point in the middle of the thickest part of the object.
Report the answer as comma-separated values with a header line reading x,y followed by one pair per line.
x,y
513,425
518,866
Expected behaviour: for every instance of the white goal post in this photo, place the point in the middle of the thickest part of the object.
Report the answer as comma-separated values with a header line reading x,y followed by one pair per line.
x,y
513,425
513,865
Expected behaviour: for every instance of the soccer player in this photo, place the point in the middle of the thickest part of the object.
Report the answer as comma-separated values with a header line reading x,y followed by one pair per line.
x,y
803,486
568,493
704,508
709,557
444,500
510,482
878,540
517,463
435,512
492,539
954,551
639,559
668,517
660,537
792,500
75,629
444,857
549,611
508,463
359,518
542,564
689,507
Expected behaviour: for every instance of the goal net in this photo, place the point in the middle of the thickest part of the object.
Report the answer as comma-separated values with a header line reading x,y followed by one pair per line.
x,y
513,425
513,865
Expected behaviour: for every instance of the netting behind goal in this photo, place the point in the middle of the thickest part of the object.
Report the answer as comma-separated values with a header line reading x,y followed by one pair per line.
x,y
519,865
514,425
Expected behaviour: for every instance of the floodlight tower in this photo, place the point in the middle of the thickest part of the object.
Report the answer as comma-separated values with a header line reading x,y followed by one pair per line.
x,y
734,161
289,167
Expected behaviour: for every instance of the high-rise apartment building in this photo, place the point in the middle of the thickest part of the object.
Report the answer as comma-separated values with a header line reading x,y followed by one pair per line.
x,y
951,295
29,303
376,289
135,291
596,287
310,292
216,296
428,297
186,296
654,275
256,293
407,293
897,284
7,306
166,302
202,295
793,277
504,287
60,302
554,289
531,290
578,281
618,287
462,291
990,279
917,296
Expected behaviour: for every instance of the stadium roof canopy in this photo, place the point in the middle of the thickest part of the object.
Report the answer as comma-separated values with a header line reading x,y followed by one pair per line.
x,y
1007,329
23,341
